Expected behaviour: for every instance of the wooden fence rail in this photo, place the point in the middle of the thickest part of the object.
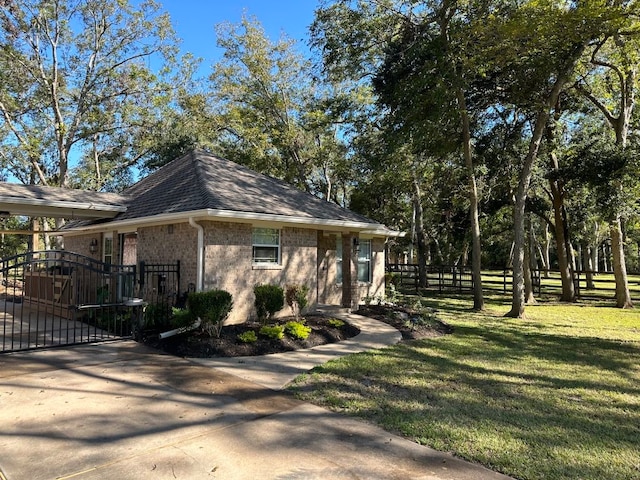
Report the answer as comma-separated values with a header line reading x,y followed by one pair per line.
x,y
458,279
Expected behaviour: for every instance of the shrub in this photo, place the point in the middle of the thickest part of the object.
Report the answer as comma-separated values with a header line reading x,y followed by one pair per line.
x,y
336,323
212,307
296,298
269,300
274,332
181,317
297,330
247,337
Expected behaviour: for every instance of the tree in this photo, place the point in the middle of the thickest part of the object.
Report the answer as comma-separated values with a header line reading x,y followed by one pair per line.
x,y
76,82
617,56
532,52
273,112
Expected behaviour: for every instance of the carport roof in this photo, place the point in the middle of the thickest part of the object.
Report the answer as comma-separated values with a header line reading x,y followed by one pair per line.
x,y
42,201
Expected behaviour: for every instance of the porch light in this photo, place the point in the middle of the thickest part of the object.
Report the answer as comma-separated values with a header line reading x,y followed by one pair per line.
x,y
93,246
356,244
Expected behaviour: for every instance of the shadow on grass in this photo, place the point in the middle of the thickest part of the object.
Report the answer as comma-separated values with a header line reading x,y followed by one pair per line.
x,y
528,404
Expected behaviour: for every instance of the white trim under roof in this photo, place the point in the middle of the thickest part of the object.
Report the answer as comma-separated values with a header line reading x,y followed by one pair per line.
x,y
34,207
375,229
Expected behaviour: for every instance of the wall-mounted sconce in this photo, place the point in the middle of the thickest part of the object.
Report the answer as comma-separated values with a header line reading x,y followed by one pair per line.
x,y
93,246
356,244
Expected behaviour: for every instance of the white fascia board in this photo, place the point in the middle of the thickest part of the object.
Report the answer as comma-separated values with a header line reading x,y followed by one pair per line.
x,y
60,207
237,217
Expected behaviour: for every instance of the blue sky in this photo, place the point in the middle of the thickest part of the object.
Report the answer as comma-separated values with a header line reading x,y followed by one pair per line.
x,y
194,21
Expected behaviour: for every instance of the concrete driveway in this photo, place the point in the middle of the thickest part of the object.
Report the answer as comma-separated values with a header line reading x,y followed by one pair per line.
x,y
122,411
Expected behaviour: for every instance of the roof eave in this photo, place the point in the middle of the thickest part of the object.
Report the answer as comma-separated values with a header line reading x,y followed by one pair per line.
x,y
374,229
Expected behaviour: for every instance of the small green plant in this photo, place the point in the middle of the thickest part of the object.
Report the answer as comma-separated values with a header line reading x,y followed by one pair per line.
x,y
336,322
157,316
269,300
274,332
297,330
247,337
212,307
296,297
181,317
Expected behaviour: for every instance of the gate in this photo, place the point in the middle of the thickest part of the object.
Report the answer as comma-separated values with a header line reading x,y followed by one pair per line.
x,y
160,288
55,297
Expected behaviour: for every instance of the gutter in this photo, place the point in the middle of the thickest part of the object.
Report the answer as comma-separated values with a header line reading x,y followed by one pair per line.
x,y
200,255
371,228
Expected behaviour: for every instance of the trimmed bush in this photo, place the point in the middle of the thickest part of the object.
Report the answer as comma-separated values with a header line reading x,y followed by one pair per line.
x,y
247,337
297,330
269,300
212,307
274,332
296,297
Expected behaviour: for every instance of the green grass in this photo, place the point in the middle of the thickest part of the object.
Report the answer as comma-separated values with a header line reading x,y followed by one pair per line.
x,y
554,396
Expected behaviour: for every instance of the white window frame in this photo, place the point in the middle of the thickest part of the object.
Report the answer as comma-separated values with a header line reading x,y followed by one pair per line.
x,y
365,260
107,246
278,247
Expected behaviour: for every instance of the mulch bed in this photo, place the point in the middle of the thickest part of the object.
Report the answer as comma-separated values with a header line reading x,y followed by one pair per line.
x,y
412,324
200,345
409,322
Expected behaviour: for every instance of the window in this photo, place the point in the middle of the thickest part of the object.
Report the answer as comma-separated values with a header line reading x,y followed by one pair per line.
x,y
364,261
266,245
107,248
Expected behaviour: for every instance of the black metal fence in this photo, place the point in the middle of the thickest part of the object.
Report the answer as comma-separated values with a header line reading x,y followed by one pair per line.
x,y
55,297
159,286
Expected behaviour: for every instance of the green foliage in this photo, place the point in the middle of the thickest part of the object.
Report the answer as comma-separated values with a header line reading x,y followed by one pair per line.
x,y
212,307
336,322
296,297
157,315
181,317
297,330
269,299
247,337
96,55
274,332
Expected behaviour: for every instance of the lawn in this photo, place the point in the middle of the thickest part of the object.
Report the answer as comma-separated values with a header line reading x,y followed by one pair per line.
x,y
555,396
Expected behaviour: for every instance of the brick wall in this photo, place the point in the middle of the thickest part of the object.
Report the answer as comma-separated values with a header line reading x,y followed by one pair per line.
x,y
228,264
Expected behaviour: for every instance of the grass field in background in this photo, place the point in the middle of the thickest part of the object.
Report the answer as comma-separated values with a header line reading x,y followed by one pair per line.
x,y
554,396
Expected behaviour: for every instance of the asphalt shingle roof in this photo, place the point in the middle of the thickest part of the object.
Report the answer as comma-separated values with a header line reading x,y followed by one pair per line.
x,y
200,180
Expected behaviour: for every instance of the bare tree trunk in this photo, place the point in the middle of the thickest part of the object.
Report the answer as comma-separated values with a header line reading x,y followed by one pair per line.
x,y
524,180
420,236
587,264
476,249
623,296
528,281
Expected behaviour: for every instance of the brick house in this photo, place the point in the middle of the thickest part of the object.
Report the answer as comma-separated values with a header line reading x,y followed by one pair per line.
x,y
232,228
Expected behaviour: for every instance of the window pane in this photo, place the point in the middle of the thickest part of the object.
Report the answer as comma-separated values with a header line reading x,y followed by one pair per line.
x,y
364,261
363,271
339,260
265,254
266,236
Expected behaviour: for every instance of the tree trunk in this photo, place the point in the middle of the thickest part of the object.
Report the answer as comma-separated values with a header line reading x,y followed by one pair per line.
x,y
420,236
524,180
587,264
528,280
568,292
476,249
623,296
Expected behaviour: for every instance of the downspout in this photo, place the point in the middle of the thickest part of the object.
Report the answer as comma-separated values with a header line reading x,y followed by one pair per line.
x,y
200,255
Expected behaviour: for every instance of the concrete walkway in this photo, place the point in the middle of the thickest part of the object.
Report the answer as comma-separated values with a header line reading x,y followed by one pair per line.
x,y
123,411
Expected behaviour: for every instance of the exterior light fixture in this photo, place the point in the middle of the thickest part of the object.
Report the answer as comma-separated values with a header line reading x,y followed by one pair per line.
x,y
93,246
